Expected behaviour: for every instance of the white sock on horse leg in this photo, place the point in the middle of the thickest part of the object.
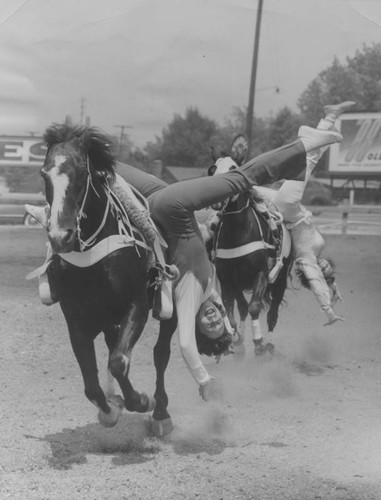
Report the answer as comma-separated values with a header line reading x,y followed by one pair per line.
x,y
256,329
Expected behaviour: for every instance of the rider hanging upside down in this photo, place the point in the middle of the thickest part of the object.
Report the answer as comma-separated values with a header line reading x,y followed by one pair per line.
x,y
199,310
315,272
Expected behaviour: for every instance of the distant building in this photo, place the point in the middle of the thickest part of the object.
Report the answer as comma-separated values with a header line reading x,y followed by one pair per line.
x,y
21,158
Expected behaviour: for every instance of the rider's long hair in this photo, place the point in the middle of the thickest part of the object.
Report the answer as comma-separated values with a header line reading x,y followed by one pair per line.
x,y
213,347
305,281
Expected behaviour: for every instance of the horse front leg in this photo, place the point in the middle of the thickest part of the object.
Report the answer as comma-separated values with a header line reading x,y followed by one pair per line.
x,y
82,341
130,330
243,310
255,307
278,289
161,420
228,297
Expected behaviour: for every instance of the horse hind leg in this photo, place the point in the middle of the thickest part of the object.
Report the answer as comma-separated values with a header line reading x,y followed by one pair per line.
x,y
243,311
255,308
277,291
111,336
83,346
161,423
228,296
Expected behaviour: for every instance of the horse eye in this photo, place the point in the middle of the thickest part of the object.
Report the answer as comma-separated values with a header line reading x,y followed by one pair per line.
x,y
212,170
233,167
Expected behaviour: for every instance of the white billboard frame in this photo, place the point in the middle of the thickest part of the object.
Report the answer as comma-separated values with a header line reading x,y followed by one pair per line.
x,y
359,155
21,151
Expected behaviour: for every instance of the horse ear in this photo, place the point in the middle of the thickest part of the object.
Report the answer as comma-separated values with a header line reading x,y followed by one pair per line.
x,y
84,140
238,149
213,153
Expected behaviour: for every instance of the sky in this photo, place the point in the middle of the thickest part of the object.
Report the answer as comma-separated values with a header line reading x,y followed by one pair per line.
x,y
136,63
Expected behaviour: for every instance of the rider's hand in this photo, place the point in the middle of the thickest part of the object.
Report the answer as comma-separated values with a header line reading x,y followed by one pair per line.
x,y
211,390
336,295
332,318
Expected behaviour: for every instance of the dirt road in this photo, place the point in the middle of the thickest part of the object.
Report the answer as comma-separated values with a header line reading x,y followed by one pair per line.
x,y
305,425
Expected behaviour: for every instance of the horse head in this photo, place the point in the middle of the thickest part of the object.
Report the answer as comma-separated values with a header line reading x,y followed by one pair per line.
x,y
227,162
73,156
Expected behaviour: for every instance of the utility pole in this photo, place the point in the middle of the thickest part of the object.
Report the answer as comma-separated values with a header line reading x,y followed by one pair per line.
x,y
122,136
250,107
82,114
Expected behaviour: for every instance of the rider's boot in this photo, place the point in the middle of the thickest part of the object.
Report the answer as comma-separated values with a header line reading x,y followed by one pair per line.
x,y
313,138
46,291
274,271
47,296
333,111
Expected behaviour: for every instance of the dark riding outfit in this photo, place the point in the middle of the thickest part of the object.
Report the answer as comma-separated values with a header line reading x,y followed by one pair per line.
x,y
172,208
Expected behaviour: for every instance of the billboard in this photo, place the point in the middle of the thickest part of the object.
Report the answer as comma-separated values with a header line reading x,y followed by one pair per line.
x,y
21,151
359,154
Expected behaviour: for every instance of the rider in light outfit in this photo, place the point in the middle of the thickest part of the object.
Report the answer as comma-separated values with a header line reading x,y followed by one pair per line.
x,y
315,272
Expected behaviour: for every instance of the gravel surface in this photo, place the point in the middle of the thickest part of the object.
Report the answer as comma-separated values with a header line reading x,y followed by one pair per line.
x,y
303,425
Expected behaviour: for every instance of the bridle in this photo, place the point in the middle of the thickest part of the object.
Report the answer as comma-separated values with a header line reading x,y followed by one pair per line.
x,y
83,244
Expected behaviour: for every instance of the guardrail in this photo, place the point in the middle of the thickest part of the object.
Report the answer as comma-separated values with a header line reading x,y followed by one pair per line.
x,y
345,211
360,209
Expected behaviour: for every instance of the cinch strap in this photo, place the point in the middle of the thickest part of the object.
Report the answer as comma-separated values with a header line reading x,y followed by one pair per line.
x,y
232,253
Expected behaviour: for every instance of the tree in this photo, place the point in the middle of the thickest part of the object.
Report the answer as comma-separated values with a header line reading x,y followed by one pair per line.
x,y
186,141
358,80
283,128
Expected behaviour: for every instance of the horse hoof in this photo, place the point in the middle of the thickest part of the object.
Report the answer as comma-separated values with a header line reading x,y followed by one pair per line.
x,y
110,419
270,347
261,350
237,340
161,428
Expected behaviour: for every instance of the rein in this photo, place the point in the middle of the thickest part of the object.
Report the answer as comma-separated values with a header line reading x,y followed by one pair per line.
x,y
82,215
111,204
248,205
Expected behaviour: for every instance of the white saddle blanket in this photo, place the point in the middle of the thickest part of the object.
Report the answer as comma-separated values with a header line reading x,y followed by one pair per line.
x,y
89,257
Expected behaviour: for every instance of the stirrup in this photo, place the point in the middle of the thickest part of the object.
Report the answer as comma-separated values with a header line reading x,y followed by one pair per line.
x,y
44,290
166,311
273,274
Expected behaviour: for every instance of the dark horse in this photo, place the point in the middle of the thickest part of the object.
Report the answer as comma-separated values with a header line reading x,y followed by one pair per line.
x,y
105,293
245,250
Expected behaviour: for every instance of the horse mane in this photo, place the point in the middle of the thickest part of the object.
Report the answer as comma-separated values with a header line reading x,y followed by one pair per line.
x,y
97,144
